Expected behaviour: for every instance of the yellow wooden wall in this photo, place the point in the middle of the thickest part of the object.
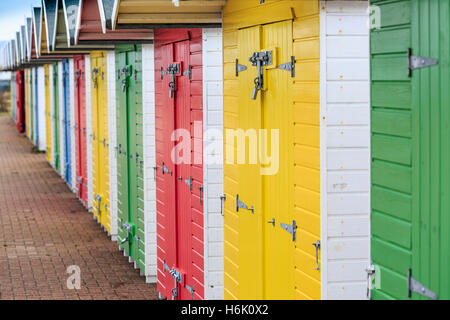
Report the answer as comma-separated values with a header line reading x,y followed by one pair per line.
x,y
100,153
306,207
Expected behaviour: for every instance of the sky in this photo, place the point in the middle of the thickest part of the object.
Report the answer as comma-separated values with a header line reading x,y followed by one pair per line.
x,y
12,16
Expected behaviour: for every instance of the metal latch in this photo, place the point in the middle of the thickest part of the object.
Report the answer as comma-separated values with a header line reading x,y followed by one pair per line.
x,y
241,205
189,183
95,72
417,287
177,277
99,201
173,69
129,230
259,60
239,67
191,291
289,66
291,228
417,62
317,246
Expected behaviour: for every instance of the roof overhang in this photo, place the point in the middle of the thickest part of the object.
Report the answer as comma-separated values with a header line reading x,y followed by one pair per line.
x,y
37,26
166,13
93,21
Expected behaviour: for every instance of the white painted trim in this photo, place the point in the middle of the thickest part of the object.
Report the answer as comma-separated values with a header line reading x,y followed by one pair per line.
x,y
73,160
212,56
345,149
149,148
52,113
42,109
62,141
323,153
112,137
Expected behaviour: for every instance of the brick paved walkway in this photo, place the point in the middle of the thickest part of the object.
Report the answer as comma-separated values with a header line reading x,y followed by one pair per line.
x,y
44,229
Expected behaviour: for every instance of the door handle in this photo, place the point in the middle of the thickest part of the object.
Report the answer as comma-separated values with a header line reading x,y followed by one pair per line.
x,y
272,221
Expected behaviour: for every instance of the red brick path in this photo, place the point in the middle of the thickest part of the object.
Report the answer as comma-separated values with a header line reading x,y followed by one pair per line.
x,y
44,229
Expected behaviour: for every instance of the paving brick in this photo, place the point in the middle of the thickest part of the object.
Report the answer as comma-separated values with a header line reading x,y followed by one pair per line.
x,y
44,229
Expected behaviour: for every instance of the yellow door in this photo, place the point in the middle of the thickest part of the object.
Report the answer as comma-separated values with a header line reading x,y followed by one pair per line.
x,y
263,258
100,144
48,118
266,249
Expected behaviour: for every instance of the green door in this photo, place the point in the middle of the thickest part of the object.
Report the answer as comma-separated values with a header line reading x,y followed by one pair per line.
x,y
56,115
410,222
130,164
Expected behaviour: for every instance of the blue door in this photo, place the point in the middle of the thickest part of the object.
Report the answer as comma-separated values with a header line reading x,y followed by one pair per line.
x,y
66,95
36,112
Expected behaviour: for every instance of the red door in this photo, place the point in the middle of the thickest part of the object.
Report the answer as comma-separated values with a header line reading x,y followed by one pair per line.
x,y
20,101
179,180
80,128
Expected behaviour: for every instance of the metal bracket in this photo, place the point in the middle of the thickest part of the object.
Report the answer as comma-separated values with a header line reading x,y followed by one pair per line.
x,y
417,62
191,291
241,205
239,67
188,72
417,287
289,66
291,228
189,183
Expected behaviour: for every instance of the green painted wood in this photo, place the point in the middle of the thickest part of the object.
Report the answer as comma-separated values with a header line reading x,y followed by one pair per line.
x,y
431,124
56,116
130,139
410,221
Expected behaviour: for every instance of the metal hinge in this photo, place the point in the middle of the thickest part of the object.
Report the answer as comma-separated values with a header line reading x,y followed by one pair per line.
x,y
241,205
317,246
163,73
289,66
370,273
165,169
222,197
291,228
188,72
417,287
239,67
191,291
189,183
417,62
